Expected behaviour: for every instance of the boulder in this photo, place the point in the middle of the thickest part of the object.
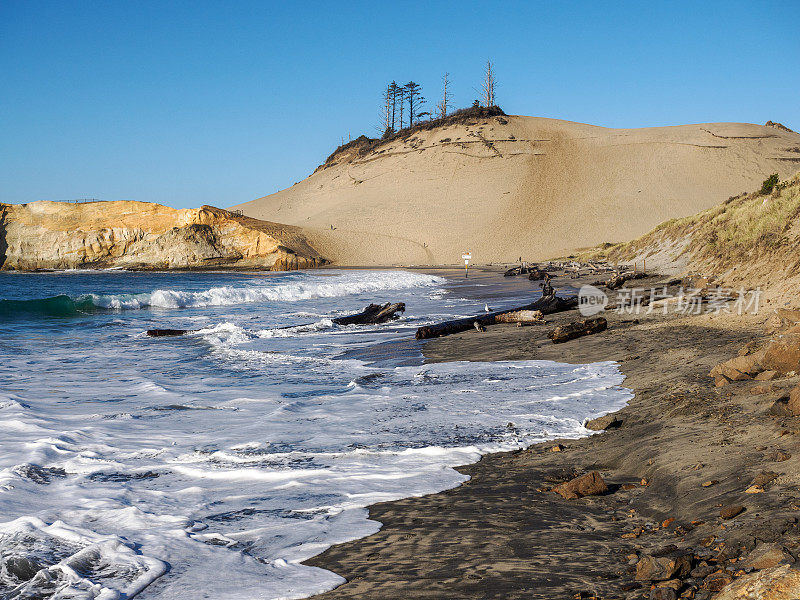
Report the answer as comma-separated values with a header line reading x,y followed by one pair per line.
x,y
663,593
776,583
731,511
570,331
782,354
603,423
766,556
782,319
764,478
662,568
717,581
740,368
720,380
767,376
590,484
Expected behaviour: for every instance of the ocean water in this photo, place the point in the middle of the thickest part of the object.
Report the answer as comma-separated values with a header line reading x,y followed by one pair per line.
x,y
209,465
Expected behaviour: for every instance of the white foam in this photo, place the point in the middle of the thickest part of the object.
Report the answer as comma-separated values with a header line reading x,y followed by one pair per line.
x,y
94,567
256,490
236,452
330,286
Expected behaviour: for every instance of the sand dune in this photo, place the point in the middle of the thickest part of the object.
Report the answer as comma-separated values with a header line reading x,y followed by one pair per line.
x,y
505,187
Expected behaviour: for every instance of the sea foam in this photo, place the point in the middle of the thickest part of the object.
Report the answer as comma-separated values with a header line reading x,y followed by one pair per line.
x,y
237,451
331,286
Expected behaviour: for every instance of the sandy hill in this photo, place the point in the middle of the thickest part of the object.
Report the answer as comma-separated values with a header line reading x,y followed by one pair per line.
x,y
509,186
61,235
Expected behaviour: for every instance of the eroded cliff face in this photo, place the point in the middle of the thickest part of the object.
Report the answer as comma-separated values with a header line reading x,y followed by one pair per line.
x,y
142,235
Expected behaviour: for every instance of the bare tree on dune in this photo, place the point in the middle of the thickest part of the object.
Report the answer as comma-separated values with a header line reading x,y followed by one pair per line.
x,y
488,86
444,103
415,101
385,126
393,91
401,97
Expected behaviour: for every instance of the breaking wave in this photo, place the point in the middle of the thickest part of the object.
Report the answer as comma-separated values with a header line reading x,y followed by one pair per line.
x,y
54,306
306,288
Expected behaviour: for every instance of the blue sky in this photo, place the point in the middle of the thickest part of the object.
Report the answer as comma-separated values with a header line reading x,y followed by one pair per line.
x,y
190,103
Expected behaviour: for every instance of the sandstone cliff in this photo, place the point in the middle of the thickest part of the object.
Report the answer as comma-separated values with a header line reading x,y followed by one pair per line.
x,y
142,235
509,186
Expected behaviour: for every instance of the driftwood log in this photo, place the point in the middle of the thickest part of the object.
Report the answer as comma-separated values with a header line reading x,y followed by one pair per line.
x,y
536,274
570,331
374,313
546,305
617,281
166,332
521,316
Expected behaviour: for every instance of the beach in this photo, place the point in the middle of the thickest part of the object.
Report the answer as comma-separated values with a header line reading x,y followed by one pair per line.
x,y
255,439
503,534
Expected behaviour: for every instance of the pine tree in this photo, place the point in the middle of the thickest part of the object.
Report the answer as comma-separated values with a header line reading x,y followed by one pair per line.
x,y
413,93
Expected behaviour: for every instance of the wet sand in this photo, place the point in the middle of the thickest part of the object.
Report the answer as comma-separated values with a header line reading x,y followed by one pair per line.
x,y
502,534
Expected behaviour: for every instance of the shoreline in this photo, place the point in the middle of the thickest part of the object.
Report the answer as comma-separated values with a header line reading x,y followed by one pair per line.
x,y
503,534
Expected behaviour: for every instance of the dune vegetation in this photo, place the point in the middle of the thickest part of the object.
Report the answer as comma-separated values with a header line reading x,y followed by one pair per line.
x,y
747,226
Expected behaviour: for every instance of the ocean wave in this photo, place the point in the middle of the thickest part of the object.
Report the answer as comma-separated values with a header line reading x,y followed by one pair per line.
x,y
54,306
310,287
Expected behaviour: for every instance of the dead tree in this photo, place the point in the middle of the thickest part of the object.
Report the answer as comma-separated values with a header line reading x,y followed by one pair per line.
x,y
385,126
444,103
415,99
488,87
401,97
394,93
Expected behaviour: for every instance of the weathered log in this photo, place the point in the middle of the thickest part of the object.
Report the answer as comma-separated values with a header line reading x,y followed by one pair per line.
x,y
546,305
520,316
166,332
537,274
570,331
618,281
374,313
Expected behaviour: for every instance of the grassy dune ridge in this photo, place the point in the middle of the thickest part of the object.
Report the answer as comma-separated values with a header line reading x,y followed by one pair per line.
x,y
745,228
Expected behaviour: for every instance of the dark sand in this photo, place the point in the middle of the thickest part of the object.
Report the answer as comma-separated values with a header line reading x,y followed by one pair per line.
x,y
503,535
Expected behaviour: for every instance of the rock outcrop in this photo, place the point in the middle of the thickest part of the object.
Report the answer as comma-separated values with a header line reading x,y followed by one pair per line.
x,y
777,583
143,235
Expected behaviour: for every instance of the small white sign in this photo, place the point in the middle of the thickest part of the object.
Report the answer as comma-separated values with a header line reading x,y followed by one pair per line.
x,y
467,256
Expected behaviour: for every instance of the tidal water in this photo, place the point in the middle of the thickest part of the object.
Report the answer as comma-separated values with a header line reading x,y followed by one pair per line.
x,y
210,465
